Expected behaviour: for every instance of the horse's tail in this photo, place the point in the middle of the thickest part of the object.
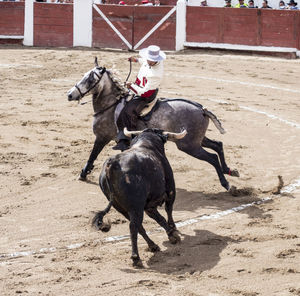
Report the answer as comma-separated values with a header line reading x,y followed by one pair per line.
x,y
215,120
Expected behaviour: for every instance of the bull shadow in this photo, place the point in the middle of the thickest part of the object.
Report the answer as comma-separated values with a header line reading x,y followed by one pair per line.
x,y
194,202
195,254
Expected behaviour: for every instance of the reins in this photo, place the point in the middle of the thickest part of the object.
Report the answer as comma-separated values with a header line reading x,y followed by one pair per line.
x,y
105,109
128,73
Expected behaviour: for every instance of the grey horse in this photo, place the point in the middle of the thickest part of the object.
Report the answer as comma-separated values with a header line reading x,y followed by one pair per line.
x,y
171,114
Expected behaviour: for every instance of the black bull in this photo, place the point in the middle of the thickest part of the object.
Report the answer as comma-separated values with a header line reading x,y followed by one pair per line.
x,y
141,179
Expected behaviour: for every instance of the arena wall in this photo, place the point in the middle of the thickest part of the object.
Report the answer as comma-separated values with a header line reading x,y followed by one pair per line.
x,y
254,27
53,25
133,27
133,23
11,22
244,29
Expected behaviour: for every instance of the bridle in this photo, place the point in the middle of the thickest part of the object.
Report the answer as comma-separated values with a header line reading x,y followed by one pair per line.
x,y
103,70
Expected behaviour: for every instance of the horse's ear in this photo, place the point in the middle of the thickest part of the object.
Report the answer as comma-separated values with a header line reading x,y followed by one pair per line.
x,y
96,62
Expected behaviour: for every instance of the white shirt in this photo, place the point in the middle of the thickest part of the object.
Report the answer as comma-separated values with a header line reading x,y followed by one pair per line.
x,y
148,78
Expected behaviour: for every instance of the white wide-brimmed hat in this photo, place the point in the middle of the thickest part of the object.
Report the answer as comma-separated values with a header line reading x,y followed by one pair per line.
x,y
152,53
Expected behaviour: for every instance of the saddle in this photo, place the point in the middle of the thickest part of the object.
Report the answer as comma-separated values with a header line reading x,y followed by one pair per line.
x,y
148,108
145,114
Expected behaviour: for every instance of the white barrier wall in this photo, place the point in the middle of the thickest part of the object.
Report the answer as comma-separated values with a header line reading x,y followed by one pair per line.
x,y
180,24
82,20
28,23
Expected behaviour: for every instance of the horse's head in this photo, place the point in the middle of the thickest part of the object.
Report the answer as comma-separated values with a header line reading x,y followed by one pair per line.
x,y
88,84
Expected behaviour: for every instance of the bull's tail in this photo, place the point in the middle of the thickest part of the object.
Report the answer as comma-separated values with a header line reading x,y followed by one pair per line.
x,y
97,221
215,120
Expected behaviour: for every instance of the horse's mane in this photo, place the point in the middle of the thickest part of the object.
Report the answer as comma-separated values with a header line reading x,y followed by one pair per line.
x,y
122,91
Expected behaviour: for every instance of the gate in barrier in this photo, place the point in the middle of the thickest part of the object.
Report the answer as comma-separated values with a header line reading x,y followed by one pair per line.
x,y
132,27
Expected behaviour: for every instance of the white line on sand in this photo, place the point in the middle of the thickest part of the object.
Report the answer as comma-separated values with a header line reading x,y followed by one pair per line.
x,y
287,189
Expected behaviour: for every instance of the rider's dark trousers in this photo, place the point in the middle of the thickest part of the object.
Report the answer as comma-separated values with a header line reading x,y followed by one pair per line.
x,y
130,113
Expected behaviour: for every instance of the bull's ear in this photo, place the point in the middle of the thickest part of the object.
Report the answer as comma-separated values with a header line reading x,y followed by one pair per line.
x,y
96,62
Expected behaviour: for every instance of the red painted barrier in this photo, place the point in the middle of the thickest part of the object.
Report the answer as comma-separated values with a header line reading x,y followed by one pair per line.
x,y
145,18
53,25
12,18
278,28
256,27
121,18
134,22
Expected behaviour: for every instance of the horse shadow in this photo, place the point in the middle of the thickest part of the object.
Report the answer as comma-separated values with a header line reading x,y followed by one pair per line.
x,y
193,201
195,254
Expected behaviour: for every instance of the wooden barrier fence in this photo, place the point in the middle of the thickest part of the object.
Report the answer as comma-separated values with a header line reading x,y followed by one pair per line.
x,y
11,22
256,27
53,25
133,22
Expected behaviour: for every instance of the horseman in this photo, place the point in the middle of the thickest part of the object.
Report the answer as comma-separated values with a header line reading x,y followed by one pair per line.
x,y
145,90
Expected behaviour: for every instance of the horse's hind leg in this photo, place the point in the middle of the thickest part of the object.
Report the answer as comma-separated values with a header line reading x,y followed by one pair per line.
x,y
97,148
200,153
218,147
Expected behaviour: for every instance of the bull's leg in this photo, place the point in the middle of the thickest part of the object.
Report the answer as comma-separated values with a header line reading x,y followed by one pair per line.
x,y
151,244
200,153
153,247
169,208
134,226
171,232
98,146
218,147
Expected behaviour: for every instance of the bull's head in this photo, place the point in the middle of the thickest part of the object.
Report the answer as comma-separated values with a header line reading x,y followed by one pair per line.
x,y
168,135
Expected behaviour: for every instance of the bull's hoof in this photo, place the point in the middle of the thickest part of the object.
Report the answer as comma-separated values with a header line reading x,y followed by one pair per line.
x,y
105,227
234,173
154,248
174,237
136,261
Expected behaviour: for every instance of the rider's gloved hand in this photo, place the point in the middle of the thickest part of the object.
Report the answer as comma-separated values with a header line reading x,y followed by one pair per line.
x,y
133,59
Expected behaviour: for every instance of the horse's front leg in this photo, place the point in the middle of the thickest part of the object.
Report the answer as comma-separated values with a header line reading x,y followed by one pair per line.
x,y
98,146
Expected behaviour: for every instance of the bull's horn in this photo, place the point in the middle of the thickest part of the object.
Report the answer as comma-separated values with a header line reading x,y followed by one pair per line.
x,y
96,62
128,133
175,136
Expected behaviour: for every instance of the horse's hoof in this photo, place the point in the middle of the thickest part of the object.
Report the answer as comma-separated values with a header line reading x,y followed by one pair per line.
x,y
226,186
81,178
234,173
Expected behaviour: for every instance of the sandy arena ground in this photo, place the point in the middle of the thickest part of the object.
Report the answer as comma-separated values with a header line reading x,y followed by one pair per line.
x,y
47,246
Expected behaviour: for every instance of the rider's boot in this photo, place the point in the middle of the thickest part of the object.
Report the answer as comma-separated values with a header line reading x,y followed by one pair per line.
x,y
123,142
